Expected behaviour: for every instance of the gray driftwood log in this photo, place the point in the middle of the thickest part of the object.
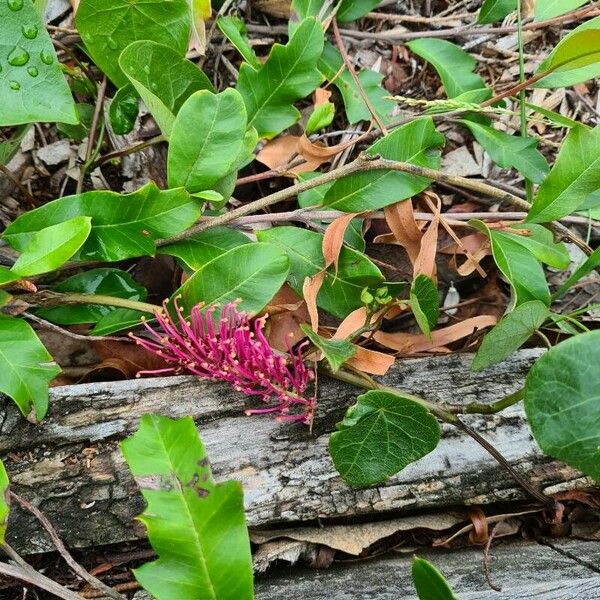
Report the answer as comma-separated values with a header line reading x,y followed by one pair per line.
x,y
71,466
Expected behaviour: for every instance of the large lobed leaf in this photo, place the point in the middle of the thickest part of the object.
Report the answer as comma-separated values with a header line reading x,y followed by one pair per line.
x,y
32,86
196,527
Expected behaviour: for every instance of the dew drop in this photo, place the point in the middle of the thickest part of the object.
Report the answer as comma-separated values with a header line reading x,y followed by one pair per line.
x,y
18,57
30,31
15,5
112,44
46,57
33,71
14,85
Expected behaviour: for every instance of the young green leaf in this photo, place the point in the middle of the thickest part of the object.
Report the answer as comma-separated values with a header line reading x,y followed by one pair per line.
x,y
350,10
561,402
289,74
4,508
196,527
540,242
453,64
123,226
511,151
252,273
206,139
339,294
53,246
107,27
591,263
336,352
124,109
320,118
425,303
26,367
381,435
32,86
495,10
85,113
234,29
163,78
548,9
417,142
429,582
575,175
513,330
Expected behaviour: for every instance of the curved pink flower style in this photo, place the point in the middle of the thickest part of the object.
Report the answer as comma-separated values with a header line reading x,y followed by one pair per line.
x,y
231,349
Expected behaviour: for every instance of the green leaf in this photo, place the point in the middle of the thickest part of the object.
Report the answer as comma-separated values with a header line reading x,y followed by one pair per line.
x,y
252,273
454,66
336,352
289,74
163,78
513,330
201,248
26,367
429,582
234,29
417,142
509,151
425,303
350,10
196,527
52,247
4,508
540,242
339,294
123,226
381,435
11,145
356,110
495,10
85,113
103,281
554,117
123,110
548,9
561,402
320,118
576,50
32,86
206,139
107,27
7,276
575,175
590,263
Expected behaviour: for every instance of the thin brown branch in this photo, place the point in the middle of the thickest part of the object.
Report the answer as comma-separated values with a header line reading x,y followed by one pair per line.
x,y
16,181
74,336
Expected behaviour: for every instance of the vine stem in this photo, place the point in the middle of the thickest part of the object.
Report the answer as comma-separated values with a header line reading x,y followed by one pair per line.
x,y
53,298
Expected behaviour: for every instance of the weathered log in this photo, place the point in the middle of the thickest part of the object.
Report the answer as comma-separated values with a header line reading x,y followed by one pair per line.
x,y
71,466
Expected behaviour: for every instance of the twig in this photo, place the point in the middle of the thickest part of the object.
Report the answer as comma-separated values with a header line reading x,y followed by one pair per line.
x,y
72,335
47,298
23,189
137,147
75,566
486,558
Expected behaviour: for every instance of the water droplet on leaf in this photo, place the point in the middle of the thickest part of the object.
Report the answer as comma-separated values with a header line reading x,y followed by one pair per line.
x,y
14,85
33,71
18,57
15,5
112,44
47,57
30,31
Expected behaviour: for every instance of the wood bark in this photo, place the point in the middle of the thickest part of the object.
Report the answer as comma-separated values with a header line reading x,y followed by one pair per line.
x,y
71,466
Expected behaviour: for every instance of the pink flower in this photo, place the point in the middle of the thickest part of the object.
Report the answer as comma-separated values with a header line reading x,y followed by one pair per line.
x,y
231,349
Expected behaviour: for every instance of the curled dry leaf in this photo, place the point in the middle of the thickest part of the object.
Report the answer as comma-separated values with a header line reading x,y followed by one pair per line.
x,y
124,358
424,264
371,361
277,154
401,221
333,239
287,311
355,320
310,291
320,96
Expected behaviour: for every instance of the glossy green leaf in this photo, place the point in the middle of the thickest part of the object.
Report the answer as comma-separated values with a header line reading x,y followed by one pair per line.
x,y
513,330
7,276
234,29
201,248
163,78
320,118
124,109
591,262
32,86
4,508
548,9
339,294
429,582
381,435
425,303
206,139
53,246
123,226
289,74
417,142
336,352
350,10
252,273
107,27
103,281
575,175
561,402
495,10
511,151
196,527
575,51
454,66
330,64
26,367
85,113
540,242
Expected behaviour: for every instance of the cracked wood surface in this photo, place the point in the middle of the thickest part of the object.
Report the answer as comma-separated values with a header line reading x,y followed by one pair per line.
x,y
71,466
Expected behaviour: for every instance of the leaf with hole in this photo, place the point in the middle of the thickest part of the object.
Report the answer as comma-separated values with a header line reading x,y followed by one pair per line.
x,y
380,435
562,402
336,352
425,303
196,527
